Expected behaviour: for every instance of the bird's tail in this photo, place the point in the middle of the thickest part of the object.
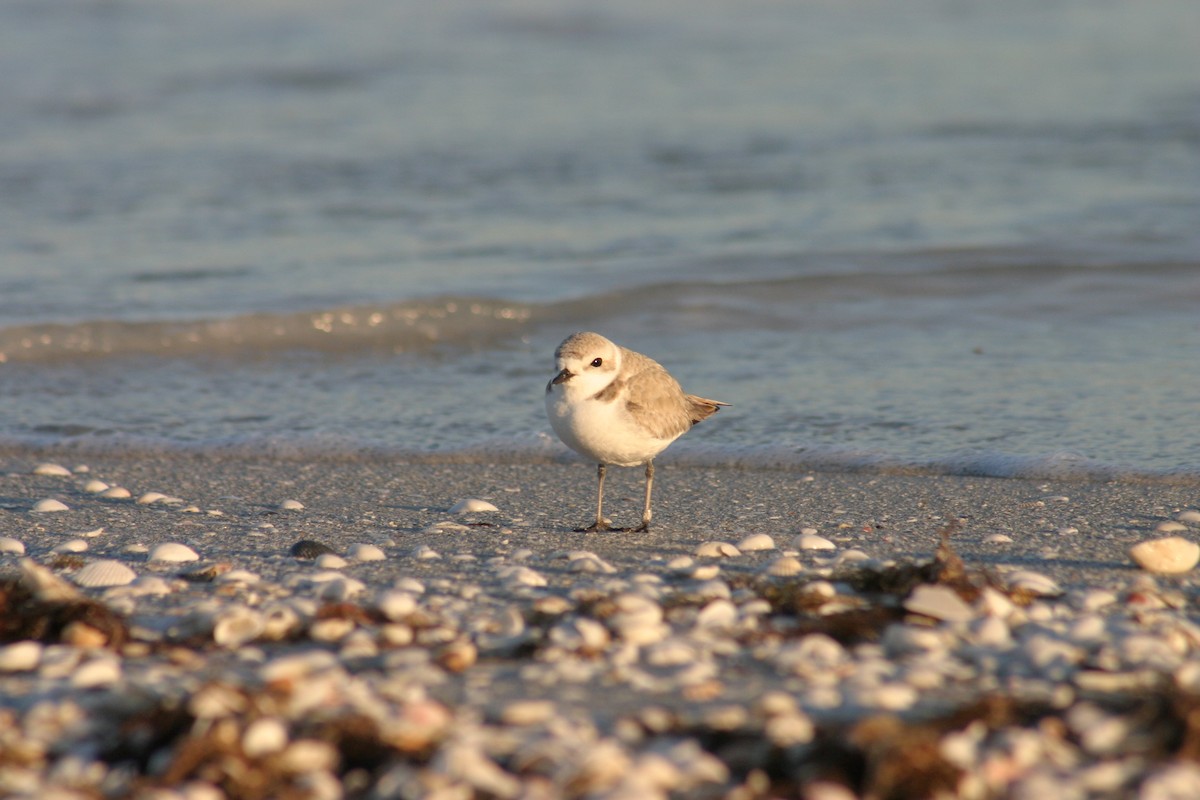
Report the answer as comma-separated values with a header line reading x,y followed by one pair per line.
x,y
703,408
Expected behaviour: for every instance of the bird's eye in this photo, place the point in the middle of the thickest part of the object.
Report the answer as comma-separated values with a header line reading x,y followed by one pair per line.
x,y
597,362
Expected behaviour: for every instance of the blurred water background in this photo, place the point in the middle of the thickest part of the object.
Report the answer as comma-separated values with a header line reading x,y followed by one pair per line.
x,y
947,235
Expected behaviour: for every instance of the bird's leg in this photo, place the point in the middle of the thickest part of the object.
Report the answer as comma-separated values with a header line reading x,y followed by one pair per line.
x,y
645,526
600,525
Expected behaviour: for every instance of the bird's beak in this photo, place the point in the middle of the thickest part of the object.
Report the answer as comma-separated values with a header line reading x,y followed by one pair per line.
x,y
562,377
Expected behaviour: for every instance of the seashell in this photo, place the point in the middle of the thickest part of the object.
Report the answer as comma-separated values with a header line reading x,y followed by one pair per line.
x,y
997,538
705,572
366,552
92,533
682,564
521,713
1170,526
291,505
243,576
95,486
1169,556
446,526
49,505
785,566
43,584
755,542
1034,583
11,545
457,656
71,546
151,497
206,573
96,672
236,625
471,505
104,573
590,562
21,656
1190,516
939,602
330,561
263,737
309,549
425,553
116,493
518,575
57,470
717,550
280,621
173,552
811,541
395,605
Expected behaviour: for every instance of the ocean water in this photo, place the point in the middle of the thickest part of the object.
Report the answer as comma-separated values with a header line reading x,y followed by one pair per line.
x,y
942,235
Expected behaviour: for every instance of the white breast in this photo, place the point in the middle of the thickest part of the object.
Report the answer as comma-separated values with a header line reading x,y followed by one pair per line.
x,y
601,431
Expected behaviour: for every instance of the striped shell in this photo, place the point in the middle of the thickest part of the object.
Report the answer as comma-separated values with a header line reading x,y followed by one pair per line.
x,y
104,573
173,552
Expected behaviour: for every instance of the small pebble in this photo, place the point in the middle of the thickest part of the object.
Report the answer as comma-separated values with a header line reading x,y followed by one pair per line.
x,y
49,505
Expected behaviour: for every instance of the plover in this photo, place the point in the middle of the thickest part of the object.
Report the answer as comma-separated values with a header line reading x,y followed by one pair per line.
x,y
618,407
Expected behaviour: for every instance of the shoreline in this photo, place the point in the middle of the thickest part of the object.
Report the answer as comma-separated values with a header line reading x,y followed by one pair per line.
x,y
493,634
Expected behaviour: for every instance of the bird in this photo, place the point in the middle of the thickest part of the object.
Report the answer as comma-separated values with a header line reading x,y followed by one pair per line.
x,y
618,408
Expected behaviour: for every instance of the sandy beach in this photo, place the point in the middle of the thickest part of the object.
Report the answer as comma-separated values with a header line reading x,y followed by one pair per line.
x,y
776,633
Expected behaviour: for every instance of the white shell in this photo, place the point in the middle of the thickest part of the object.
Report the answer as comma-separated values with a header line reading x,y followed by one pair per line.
x,y
291,505
717,550
236,624
756,541
471,505
11,545
997,538
151,497
21,656
939,602
95,486
1033,582
366,552
173,552
1168,556
1190,515
71,546
330,561
49,505
102,671
263,737
104,573
811,541
116,493
785,566
1170,526
52,469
